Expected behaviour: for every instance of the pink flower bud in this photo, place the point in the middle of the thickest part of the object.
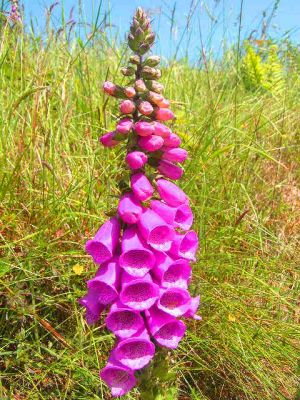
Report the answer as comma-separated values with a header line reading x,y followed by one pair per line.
x,y
151,143
172,141
108,140
143,128
175,155
145,108
170,170
164,103
109,88
140,86
127,107
171,193
129,208
136,159
164,114
130,92
162,130
155,98
141,186
124,126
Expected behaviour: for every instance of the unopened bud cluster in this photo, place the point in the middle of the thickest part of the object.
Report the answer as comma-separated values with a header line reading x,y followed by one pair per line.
x,y
145,251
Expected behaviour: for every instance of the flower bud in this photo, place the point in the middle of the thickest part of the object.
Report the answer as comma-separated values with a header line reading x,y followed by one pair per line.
x,y
145,108
107,140
152,61
155,86
141,186
129,209
143,48
172,141
149,39
154,97
140,86
113,90
127,107
143,128
150,73
163,103
124,126
163,114
134,59
128,71
151,143
170,170
129,92
175,155
136,159
171,193
162,130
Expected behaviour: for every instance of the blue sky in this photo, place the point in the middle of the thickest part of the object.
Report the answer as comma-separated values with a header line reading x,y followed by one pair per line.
x,y
212,22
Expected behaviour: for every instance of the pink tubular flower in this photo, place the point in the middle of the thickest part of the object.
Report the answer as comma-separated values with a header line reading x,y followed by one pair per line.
x,y
175,155
192,310
136,159
174,301
119,378
138,293
151,143
185,246
106,282
129,92
172,141
129,209
104,244
141,186
123,321
124,126
163,114
166,329
136,259
180,217
92,305
127,107
109,88
157,233
170,170
162,130
107,140
135,352
171,193
143,128
145,108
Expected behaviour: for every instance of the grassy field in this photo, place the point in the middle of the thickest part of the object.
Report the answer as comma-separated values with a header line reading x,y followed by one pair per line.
x,y
57,185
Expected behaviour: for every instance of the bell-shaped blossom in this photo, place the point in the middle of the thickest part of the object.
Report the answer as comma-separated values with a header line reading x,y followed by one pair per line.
x,y
119,378
170,273
105,242
136,259
143,128
157,233
185,246
106,282
162,130
124,126
193,307
135,352
151,143
108,140
181,216
171,193
136,159
92,305
175,154
172,141
174,301
141,186
123,321
170,170
163,114
129,208
127,107
145,108
138,293
165,329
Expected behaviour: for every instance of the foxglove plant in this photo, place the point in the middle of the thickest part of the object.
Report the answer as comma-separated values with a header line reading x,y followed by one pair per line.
x,y
144,252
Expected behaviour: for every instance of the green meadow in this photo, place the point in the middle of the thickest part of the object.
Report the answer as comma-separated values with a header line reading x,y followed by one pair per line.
x,y
239,118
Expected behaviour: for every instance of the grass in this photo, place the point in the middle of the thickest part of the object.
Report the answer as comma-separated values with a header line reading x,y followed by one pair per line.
x,y
57,185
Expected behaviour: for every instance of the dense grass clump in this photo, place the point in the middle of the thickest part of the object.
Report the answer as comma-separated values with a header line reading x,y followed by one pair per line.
x,y
56,184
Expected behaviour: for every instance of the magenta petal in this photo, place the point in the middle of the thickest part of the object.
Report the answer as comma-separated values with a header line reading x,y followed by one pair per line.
x,y
138,294
192,310
141,186
124,126
167,213
170,170
129,208
171,193
162,130
106,282
175,155
171,273
119,378
185,245
104,244
183,217
151,143
143,128
123,321
93,307
172,141
135,352
157,233
166,329
136,258
174,301
107,140
136,159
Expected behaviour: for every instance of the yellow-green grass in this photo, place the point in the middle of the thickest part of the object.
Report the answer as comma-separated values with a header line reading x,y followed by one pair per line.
x,y
57,186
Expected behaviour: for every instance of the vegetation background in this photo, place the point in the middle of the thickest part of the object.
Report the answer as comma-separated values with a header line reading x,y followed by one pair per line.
x,y
239,117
